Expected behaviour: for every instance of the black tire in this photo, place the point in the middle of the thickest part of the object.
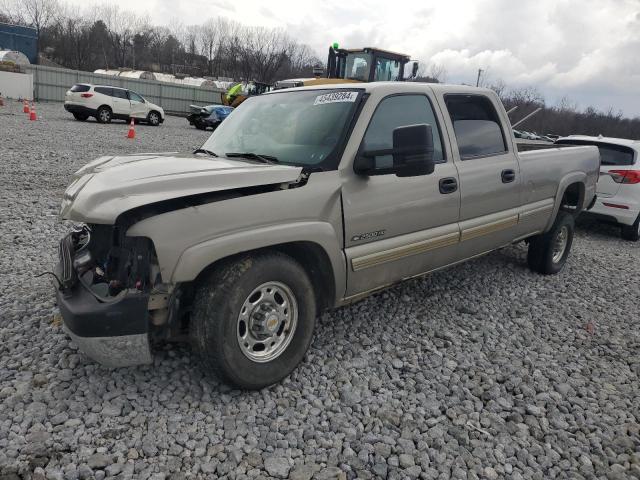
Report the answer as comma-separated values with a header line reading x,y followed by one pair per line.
x,y
104,114
632,232
216,325
80,117
153,118
200,126
543,257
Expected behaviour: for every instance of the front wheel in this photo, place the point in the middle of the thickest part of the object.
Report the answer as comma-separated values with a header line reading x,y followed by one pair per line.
x,y
632,232
153,118
548,252
253,319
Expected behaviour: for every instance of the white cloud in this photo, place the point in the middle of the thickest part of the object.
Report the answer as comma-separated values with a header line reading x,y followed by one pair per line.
x,y
584,49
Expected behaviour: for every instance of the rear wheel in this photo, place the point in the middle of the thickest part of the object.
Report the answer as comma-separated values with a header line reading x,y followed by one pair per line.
x,y
153,118
80,117
103,115
632,232
548,252
253,319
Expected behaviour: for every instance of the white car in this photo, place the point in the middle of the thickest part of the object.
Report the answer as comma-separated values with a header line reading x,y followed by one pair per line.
x,y
618,187
106,103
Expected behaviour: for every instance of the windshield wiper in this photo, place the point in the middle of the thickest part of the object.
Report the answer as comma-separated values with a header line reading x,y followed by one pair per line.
x,y
204,150
252,156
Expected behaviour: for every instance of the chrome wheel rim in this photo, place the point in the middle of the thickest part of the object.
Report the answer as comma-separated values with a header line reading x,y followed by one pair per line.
x,y
267,322
153,118
104,115
560,244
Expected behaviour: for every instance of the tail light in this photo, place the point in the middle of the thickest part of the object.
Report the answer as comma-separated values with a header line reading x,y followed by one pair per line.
x,y
625,176
86,95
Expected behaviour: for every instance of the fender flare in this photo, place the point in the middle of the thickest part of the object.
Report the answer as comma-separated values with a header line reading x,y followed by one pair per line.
x,y
569,179
196,258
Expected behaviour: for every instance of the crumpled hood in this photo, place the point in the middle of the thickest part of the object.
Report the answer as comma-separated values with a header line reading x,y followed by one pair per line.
x,y
109,186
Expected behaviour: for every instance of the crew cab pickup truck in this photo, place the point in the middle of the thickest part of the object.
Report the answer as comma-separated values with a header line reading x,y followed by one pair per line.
x,y
303,200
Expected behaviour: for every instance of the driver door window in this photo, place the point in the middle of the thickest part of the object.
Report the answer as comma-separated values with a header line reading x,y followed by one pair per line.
x,y
135,97
398,111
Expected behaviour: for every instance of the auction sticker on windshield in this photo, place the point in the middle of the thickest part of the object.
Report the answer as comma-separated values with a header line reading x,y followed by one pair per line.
x,y
335,97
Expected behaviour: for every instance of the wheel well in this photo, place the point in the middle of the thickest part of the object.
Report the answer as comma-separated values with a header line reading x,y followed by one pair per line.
x,y
313,259
573,198
104,106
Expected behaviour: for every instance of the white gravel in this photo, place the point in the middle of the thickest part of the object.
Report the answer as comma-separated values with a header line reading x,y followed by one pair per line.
x,y
485,370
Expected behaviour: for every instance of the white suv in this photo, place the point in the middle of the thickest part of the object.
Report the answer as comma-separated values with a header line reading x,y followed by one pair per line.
x,y
106,103
618,187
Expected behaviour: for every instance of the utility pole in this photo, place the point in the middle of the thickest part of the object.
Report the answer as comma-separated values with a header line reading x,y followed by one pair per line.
x,y
478,80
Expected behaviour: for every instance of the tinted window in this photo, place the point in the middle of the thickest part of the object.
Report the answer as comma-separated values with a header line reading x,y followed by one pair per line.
x,y
476,125
399,111
105,90
120,93
135,97
609,154
79,87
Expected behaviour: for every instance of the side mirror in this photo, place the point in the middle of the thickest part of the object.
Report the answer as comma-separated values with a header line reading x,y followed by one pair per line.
x,y
412,154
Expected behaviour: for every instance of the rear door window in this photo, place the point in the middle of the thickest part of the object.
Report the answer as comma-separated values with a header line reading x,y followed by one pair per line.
x,y
609,154
79,87
476,125
120,93
104,90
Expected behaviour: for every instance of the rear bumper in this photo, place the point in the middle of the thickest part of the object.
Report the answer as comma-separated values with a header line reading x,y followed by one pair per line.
x,y
624,216
80,109
113,333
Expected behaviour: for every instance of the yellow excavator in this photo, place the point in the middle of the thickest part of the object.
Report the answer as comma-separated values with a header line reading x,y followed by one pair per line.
x,y
241,91
359,65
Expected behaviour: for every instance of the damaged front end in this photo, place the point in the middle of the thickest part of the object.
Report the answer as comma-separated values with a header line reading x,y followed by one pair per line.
x,y
109,293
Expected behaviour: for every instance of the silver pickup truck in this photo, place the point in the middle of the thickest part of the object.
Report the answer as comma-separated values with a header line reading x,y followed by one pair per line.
x,y
303,200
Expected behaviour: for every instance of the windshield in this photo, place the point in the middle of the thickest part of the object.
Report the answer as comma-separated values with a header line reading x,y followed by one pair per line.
x,y
358,66
300,128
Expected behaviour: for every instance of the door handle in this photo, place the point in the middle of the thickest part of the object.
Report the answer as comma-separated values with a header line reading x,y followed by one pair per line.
x,y
448,185
508,175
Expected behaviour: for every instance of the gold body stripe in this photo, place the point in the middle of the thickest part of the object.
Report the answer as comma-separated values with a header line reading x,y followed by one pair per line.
x,y
487,228
415,248
378,258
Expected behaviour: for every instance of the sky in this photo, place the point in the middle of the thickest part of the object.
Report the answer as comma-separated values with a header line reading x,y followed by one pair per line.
x,y
585,50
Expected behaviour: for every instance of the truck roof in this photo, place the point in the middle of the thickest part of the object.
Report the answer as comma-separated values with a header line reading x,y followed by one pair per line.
x,y
396,87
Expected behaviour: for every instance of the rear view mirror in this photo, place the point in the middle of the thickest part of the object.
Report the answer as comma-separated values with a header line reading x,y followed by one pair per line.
x,y
412,154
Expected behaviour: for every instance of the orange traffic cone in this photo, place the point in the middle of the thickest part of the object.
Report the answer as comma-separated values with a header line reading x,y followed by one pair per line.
x,y
132,130
32,115
25,106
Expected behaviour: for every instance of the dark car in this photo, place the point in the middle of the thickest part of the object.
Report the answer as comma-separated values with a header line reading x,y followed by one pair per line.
x,y
209,116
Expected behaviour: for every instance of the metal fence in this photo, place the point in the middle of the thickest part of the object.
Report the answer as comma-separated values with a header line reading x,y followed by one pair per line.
x,y
50,84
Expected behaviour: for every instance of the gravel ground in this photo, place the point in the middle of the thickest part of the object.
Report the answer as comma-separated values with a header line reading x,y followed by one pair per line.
x,y
485,370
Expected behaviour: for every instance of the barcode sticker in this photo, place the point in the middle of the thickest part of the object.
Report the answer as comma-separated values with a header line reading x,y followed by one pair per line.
x,y
335,97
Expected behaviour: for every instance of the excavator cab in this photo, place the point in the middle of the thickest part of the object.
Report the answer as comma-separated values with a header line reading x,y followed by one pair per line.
x,y
368,65
359,65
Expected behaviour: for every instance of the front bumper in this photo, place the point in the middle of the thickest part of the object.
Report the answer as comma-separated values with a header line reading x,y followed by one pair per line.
x,y
113,333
